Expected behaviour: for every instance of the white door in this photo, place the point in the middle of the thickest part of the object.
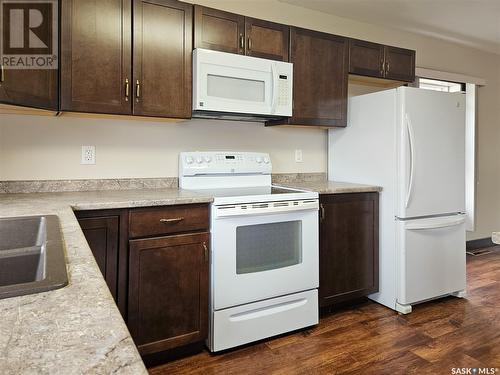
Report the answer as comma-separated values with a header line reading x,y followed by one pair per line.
x,y
432,258
431,153
255,257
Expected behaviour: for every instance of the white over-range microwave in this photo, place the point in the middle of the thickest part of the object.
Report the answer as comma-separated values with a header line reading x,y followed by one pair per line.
x,y
232,86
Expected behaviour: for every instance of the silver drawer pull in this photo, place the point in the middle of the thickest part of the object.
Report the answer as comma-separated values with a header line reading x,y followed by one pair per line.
x,y
173,220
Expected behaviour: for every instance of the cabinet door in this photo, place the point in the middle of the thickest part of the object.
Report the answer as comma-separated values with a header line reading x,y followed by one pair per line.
x,y
162,58
399,64
266,39
218,30
96,56
366,59
102,236
319,78
168,291
30,88
348,246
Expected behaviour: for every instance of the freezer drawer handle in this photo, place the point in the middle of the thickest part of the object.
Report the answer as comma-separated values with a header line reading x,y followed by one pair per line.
x,y
435,224
268,310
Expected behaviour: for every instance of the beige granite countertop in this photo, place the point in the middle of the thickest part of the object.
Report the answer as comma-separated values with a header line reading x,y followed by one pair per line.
x,y
76,329
330,187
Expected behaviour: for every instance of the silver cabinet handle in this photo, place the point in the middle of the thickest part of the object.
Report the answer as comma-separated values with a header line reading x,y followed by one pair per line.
x,y
2,74
322,212
205,248
137,89
173,220
242,41
127,89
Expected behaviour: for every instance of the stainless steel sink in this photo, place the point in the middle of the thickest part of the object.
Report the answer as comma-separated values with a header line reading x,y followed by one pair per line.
x,y
31,255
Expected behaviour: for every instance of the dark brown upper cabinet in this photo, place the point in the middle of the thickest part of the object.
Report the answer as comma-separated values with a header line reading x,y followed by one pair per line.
x,y
266,39
348,247
320,76
30,88
36,88
379,61
162,58
228,32
218,30
366,58
96,73
399,64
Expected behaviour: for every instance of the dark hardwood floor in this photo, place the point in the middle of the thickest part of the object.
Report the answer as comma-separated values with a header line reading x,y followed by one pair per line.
x,y
371,339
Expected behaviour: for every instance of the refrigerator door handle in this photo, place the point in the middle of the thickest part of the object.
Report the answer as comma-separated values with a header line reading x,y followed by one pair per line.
x,y
412,159
435,223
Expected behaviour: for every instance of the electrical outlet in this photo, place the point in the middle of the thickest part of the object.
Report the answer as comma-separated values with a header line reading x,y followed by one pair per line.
x,y
88,155
298,156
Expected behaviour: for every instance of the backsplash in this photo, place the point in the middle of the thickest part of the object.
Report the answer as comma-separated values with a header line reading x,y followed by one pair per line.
x,y
57,186
49,148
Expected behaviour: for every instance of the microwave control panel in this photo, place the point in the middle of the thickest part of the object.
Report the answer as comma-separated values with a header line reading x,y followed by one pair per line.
x,y
283,90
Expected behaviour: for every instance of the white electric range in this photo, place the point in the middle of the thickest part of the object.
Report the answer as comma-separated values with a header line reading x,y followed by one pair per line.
x,y
264,248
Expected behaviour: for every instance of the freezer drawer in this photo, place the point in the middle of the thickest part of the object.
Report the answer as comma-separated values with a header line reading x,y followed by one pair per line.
x,y
243,324
432,258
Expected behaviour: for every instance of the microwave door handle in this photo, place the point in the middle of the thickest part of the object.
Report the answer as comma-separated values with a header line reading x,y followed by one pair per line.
x,y
275,87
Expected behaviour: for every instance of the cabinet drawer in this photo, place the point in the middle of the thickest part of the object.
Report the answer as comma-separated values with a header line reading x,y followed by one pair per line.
x,y
154,221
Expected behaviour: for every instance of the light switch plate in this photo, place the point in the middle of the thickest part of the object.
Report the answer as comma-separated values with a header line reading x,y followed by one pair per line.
x,y
88,155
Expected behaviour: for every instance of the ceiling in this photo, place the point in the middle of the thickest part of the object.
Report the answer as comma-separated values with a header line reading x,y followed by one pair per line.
x,y
474,23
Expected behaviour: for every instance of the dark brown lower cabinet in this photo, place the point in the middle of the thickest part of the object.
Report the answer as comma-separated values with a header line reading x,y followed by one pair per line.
x,y
348,247
168,291
106,233
102,236
160,283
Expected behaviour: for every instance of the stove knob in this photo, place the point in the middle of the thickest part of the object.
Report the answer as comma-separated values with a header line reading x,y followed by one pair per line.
x,y
266,160
208,159
189,160
258,159
199,160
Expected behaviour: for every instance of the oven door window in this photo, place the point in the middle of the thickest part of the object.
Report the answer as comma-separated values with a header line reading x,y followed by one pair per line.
x,y
264,247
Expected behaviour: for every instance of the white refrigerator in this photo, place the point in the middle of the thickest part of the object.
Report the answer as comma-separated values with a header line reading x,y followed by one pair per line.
x,y
411,142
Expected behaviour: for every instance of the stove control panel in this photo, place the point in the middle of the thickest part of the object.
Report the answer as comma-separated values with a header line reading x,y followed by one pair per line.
x,y
220,163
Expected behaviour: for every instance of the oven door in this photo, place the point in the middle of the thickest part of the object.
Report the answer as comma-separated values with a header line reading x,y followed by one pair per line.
x,y
264,254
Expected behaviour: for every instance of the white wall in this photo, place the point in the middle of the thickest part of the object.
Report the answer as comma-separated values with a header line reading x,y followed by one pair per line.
x,y
38,148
